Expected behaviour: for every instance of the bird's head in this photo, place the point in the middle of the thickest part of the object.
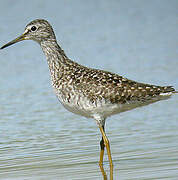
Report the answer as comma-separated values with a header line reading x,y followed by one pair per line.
x,y
38,30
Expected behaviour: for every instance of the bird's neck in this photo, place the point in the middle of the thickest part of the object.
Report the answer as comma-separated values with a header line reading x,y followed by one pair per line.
x,y
53,52
56,59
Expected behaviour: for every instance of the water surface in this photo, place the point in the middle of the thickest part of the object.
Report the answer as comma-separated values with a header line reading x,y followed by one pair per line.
x,y
39,139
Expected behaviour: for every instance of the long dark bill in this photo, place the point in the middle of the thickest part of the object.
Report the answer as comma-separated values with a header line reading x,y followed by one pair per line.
x,y
20,38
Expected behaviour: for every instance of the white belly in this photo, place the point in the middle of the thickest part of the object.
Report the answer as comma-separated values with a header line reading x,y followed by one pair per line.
x,y
79,104
83,106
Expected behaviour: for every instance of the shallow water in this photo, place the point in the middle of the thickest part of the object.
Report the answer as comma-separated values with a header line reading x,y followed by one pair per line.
x,y
41,140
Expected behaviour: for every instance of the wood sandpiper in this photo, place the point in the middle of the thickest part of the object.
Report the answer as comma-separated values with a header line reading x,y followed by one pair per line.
x,y
90,92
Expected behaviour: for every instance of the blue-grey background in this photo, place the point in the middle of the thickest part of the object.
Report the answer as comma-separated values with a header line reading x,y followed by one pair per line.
x,y
39,139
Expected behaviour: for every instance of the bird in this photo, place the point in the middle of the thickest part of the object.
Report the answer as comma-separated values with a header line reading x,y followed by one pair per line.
x,y
89,92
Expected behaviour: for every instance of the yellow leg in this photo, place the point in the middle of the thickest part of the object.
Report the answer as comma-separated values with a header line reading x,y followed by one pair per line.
x,y
101,159
106,143
103,172
102,150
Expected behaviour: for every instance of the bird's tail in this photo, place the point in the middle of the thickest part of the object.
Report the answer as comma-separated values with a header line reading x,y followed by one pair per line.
x,y
167,90
175,92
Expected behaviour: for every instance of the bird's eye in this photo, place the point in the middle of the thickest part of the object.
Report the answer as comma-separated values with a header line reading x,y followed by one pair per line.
x,y
33,28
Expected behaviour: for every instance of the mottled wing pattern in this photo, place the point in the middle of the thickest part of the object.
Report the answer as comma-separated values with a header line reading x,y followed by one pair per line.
x,y
98,84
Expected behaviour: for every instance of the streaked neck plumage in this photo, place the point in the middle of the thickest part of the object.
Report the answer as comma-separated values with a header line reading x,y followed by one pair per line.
x,y
53,51
56,59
